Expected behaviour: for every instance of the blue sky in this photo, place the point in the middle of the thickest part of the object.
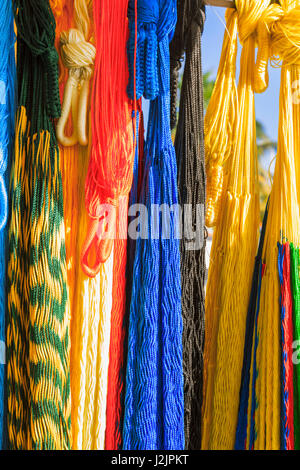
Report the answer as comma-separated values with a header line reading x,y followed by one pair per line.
x,y
267,103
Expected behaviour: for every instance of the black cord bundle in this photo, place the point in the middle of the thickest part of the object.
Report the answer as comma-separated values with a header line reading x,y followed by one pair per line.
x,y
189,146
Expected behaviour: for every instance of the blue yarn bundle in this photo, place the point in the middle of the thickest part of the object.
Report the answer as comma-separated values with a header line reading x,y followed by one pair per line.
x,y
7,112
154,409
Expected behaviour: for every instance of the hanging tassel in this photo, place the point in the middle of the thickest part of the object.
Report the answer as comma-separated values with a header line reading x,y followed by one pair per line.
x,y
189,147
38,343
154,414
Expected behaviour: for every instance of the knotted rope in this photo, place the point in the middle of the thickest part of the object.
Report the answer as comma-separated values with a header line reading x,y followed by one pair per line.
x,y
78,55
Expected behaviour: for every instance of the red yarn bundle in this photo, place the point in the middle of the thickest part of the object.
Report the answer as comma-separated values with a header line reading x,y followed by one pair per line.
x,y
112,154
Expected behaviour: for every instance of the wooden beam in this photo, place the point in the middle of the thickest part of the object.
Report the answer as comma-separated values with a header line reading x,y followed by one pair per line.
x,y
225,3
221,3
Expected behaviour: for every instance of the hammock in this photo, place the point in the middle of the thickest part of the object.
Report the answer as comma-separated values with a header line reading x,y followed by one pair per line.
x,y
191,187
38,343
269,416
233,251
154,414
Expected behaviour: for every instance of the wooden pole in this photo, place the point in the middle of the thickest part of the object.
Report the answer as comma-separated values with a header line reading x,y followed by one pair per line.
x,y
225,3
221,3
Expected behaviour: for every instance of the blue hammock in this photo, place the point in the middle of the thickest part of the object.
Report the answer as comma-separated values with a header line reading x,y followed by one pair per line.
x,y
154,411
7,111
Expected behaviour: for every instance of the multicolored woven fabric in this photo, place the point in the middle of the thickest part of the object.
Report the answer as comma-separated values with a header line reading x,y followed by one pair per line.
x,y
38,343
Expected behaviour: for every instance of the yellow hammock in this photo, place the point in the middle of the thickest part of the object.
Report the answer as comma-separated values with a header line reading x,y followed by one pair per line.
x,y
283,224
234,246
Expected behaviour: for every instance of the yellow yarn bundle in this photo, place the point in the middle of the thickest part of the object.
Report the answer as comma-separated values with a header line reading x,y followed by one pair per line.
x,y
221,114
90,338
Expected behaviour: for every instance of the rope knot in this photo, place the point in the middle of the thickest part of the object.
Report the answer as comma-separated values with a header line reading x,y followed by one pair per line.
x,y
155,26
148,12
77,54
249,14
285,37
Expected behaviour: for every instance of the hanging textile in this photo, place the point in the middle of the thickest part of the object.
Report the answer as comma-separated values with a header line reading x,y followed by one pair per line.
x,y
109,175
189,147
154,411
38,343
108,184
7,115
233,250
272,408
91,299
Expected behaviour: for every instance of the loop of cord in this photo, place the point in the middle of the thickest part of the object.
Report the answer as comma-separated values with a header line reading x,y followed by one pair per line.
x,y
78,56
